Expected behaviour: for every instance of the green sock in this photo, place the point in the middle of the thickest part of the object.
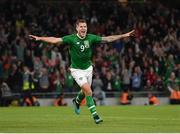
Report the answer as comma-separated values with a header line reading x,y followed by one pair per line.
x,y
80,97
91,105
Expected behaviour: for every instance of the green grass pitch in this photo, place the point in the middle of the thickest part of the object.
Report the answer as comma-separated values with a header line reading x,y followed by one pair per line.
x,y
124,119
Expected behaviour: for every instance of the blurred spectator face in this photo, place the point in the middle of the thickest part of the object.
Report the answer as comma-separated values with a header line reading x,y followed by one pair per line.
x,y
108,75
44,70
146,63
14,67
179,66
130,50
173,76
81,28
148,83
97,76
156,63
22,42
170,57
125,71
158,78
137,69
57,73
25,68
103,70
150,61
28,52
151,70
62,71
19,63
56,49
135,74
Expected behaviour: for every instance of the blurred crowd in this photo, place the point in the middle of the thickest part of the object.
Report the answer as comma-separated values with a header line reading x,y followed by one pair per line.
x,y
143,63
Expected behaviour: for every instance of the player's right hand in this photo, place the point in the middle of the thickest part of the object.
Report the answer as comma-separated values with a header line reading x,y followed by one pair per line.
x,y
33,37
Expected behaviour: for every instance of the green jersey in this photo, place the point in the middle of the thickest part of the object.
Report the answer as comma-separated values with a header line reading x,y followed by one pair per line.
x,y
81,49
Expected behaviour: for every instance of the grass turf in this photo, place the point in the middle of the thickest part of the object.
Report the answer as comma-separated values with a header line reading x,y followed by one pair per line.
x,y
131,119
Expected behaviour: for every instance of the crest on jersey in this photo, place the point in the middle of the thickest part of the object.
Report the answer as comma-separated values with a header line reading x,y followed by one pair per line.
x,y
86,44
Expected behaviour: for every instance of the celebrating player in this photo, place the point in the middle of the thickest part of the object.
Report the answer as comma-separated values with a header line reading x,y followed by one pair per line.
x,y
80,49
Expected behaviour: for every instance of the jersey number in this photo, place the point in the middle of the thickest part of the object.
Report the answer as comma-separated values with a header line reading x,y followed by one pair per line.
x,y
86,45
82,48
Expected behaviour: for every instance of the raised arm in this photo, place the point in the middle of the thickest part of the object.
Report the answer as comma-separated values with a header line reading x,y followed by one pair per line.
x,y
52,40
117,37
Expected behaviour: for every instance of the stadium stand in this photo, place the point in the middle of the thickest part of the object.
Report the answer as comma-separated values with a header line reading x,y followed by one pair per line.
x,y
142,64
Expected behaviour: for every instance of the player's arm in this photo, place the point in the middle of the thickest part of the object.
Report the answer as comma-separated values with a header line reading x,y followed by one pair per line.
x,y
52,40
170,89
117,37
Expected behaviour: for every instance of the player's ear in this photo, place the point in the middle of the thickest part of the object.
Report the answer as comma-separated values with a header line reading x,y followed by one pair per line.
x,y
76,27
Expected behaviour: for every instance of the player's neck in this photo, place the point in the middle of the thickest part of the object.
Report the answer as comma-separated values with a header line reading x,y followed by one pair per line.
x,y
80,36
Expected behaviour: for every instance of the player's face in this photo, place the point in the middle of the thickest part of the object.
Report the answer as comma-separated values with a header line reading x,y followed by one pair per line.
x,y
81,29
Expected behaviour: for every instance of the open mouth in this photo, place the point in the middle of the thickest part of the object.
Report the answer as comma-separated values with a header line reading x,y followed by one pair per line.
x,y
83,32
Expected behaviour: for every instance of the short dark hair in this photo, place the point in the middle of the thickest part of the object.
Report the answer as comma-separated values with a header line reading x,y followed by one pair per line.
x,y
80,21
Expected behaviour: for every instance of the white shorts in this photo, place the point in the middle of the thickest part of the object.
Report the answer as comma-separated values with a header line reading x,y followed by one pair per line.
x,y
82,76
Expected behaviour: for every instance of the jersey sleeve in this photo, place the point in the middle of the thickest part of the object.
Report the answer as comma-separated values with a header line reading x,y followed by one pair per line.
x,y
96,39
67,39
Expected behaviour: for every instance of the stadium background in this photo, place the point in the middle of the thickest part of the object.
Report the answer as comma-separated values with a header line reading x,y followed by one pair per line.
x,y
148,58
156,48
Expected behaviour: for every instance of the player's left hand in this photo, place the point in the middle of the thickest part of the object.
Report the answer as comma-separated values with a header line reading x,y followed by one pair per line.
x,y
33,37
131,33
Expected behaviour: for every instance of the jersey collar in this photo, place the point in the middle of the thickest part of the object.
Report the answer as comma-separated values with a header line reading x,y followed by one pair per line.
x,y
80,37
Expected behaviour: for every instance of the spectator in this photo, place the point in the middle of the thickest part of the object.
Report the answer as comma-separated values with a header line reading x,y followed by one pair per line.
x,y
156,44
149,87
60,101
20,48
177,70
117,84
99,94
159,85
28,87
15,79
136,79
5,94
69,82
125,98
44,80
108,82
126,74
28,59
173,87
153,100
58,83
151,76
37,65
1,69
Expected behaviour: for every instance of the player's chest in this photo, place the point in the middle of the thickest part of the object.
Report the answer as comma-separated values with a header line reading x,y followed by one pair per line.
x,y
82,45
